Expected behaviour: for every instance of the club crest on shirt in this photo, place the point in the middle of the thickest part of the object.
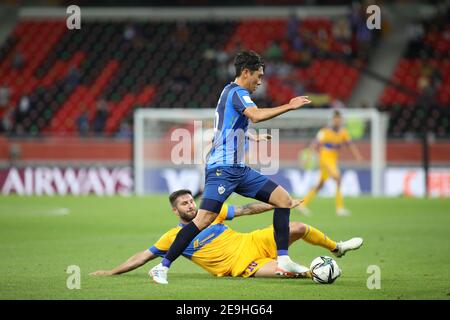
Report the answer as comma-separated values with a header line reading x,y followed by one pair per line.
x,y
218,172
221,189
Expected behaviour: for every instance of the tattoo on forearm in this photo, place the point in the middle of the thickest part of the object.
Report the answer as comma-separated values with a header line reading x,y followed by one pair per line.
x,y
254,208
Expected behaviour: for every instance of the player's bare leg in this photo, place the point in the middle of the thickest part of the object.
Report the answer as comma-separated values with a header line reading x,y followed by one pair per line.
x,y
283,201
340,209
297,231
203,219
270,270
303,207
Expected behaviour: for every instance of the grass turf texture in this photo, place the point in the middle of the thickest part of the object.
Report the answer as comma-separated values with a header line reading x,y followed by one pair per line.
x,y
41,236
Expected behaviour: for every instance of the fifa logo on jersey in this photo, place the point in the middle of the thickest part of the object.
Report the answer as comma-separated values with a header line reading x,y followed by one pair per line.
x,y
221,189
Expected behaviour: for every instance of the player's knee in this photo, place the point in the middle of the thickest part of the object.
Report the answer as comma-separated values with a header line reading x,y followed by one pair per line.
x,y
297,229
284,201
287,202
204,219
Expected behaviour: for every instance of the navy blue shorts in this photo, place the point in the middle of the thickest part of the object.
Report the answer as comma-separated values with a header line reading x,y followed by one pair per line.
x,y
222,181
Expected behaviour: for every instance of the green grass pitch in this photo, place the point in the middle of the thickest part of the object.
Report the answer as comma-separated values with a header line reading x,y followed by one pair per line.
x,y
409,239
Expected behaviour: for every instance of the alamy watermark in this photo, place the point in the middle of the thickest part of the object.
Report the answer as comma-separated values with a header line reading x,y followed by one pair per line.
x,y
74,280
374,280
374,20
73,21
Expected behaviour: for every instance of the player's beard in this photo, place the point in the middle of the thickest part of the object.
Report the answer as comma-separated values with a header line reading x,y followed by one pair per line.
x,y
188,216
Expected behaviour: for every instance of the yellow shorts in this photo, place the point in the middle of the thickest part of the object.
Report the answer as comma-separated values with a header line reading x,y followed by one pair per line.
x,y
328,169
259,248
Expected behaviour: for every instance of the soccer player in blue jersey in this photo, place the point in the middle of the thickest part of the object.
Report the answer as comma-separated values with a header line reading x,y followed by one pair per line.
x,y
226,171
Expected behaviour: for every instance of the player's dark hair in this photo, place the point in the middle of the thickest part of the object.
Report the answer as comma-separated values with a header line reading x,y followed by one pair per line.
x,y
174,195
247,60
336,114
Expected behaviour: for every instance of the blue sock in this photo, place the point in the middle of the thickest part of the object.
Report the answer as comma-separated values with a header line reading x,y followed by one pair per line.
x,y
281,227
166,263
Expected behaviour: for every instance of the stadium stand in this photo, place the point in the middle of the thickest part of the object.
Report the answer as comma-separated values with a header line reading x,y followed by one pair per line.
x,y
164,64
51,86
424,74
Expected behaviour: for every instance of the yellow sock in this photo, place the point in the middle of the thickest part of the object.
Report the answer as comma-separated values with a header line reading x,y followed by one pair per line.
x,y
309,197
339,199
318,238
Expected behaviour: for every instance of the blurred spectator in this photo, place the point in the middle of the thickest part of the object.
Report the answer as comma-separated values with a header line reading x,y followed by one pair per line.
x,y
4,96
322,43
283,69
305,58
292,26
429,81
362,34
7,121
21,111
415,31
341,30
274,52
343,35
100,117
82,123
125,131
73,76
129,32
181,36
18,60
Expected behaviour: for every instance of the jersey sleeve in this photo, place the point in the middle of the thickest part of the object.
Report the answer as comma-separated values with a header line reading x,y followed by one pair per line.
x,y
320,136
226,213
163,244
241,100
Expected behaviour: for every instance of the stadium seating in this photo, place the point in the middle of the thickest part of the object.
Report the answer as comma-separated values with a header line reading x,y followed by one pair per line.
x,y
165,64
424,71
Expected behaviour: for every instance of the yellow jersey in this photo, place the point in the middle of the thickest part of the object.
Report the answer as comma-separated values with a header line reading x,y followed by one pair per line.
x,y
222,251
330,142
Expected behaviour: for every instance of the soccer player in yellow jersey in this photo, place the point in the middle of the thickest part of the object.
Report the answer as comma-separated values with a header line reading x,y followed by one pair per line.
x,y
329,142
224,252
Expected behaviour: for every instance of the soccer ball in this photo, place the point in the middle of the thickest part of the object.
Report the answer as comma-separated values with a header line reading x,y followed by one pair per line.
x,y
324,270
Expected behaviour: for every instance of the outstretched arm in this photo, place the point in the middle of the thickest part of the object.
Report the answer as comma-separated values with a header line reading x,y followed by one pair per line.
x,y
256,114
258,207
355,151
139,259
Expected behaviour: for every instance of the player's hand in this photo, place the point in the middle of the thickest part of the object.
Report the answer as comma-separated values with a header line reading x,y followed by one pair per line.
x,y
100,273
264,137
298,102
